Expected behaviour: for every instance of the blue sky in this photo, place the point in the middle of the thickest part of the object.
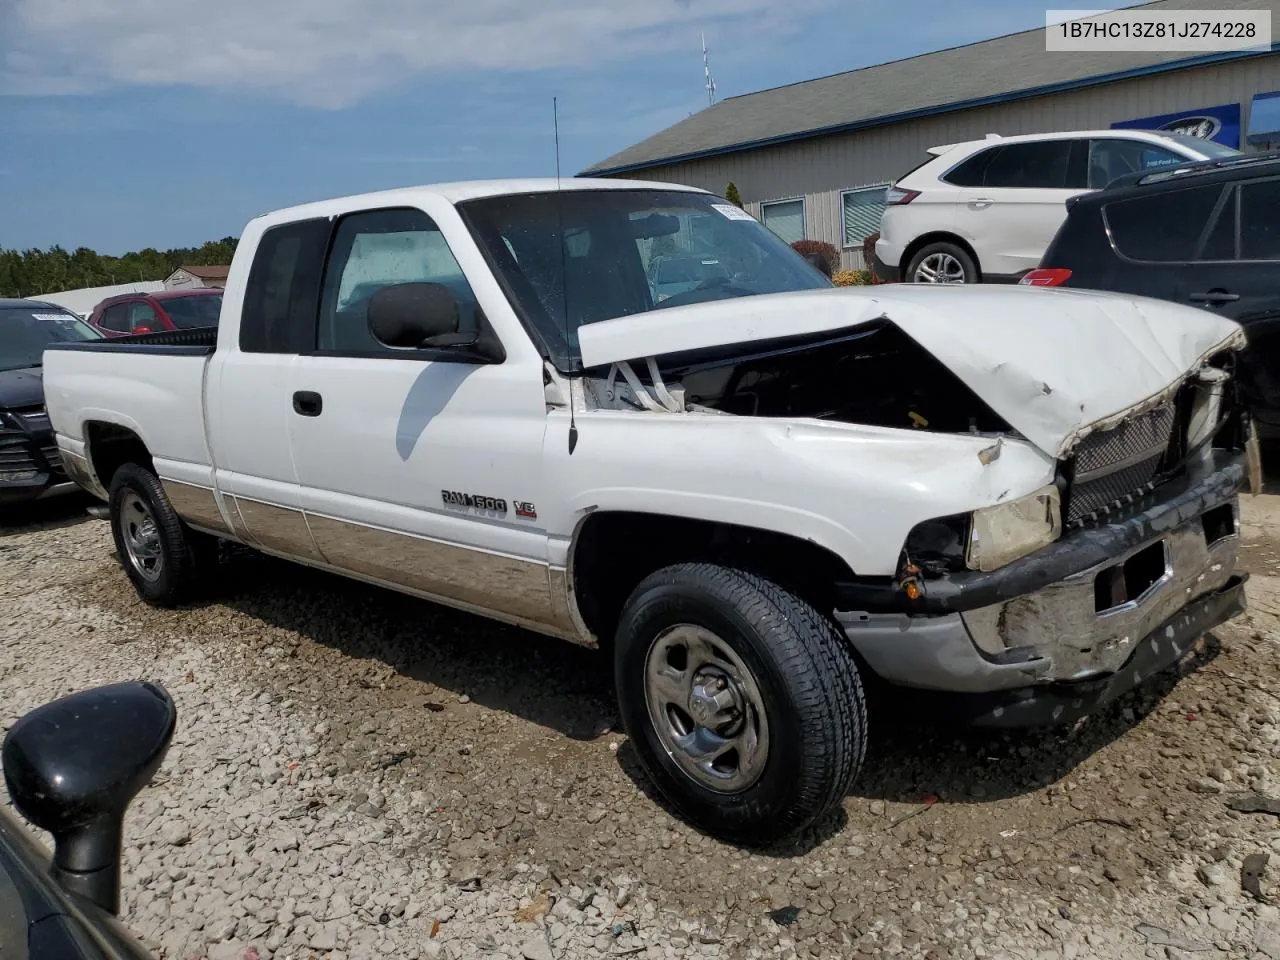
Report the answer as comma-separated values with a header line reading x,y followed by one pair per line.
x,y
169,122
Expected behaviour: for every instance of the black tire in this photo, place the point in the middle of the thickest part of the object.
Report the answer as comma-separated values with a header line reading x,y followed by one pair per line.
x,y
942,249
185,556
807,682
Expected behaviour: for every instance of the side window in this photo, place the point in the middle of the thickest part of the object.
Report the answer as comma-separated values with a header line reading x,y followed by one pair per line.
x,y
1220,244
1112,157
382,248
142,315
1040,165
116,318
1260,220
279,312
972,172
1161,227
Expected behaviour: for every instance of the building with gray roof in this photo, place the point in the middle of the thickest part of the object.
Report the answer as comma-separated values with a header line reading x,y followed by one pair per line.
x,y
812,159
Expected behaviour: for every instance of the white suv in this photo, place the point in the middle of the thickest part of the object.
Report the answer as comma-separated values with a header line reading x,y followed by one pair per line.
x,y
986,210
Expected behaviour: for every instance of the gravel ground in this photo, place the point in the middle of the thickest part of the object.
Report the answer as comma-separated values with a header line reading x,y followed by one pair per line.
x,y
359,774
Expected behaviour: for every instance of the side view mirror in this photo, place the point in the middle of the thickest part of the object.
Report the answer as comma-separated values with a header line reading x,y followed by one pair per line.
x,y
416,315
73,766
819,263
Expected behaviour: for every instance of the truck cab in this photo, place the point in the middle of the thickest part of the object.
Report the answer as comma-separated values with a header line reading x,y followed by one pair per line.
x,y
750,493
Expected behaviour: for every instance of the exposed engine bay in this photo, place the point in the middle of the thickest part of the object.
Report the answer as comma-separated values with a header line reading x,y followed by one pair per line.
x,y
873,375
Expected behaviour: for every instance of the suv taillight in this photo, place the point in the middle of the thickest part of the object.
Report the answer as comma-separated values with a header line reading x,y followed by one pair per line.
x,y
1046,277
896,196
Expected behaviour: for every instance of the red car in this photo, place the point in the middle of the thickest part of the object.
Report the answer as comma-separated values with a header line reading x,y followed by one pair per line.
x,y
154,312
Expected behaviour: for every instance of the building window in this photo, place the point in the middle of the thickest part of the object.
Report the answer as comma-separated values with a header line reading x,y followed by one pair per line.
x,y
862,210
785,218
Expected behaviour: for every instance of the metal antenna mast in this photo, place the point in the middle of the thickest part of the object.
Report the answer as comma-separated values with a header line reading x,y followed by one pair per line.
x,y
706,69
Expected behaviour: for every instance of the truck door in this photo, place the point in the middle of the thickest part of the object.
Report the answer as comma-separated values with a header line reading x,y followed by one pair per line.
x,y
248,395
418,468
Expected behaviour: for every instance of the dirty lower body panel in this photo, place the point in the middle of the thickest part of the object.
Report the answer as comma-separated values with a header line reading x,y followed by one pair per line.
x,y
1059,652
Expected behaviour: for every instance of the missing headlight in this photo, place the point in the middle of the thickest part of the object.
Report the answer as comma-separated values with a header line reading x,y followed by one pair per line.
x,y
938,546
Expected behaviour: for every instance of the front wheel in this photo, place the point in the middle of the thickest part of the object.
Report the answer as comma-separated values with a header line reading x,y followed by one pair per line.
x,y
166,560
743,703
941,263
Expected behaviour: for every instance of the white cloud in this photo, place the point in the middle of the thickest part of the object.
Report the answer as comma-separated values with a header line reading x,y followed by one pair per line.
x,y
332,53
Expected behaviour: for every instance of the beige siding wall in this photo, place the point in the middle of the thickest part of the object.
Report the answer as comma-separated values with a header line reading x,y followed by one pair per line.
x,y
821,168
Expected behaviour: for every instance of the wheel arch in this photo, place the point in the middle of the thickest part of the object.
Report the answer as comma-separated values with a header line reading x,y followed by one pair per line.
x,y
937,236
109,445
613,550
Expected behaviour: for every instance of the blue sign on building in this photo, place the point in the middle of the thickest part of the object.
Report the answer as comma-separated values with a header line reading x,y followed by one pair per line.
x,y
1220,124
1264,120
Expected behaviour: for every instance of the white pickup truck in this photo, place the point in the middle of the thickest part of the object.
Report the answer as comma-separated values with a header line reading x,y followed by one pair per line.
x,y
751,488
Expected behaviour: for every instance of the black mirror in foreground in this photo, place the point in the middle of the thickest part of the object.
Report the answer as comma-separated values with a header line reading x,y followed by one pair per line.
x,y
819,263
73,766
416,315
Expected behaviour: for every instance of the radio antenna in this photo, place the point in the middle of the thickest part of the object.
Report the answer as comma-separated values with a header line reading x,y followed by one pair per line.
x,y
564,278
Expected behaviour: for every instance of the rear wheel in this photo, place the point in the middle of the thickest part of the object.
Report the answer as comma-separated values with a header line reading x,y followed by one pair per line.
x,y
165,559
743,703
941,263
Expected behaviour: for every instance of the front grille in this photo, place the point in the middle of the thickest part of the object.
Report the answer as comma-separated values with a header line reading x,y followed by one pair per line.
x,y
1114,467
16,458
52,457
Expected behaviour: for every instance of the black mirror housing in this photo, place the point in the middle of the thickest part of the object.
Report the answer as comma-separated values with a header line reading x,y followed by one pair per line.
x,y
415,315
73,766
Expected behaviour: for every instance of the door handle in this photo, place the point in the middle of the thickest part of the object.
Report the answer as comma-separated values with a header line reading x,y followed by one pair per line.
x,y
1214,297
308,403
980,203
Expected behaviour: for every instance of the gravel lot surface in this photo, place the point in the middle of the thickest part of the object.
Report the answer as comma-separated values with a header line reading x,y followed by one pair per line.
x,y
357,774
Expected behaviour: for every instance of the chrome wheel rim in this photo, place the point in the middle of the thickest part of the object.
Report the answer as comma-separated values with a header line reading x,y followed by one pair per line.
x,y
705,706
141,537
939,268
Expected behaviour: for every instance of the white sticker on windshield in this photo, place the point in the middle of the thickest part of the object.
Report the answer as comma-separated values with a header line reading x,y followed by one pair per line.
x,y
53,317
732,212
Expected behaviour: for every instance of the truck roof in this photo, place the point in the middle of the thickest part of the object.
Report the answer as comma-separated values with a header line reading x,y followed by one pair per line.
x,y
460,191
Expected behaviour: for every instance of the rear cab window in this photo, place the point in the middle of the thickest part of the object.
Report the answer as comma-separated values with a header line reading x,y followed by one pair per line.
x,y
283,291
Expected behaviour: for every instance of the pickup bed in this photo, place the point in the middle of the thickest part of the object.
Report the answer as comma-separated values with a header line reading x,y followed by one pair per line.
x,y
752,489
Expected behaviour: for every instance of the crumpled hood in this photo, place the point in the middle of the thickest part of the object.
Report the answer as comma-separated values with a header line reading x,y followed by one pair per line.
x,y
1053,363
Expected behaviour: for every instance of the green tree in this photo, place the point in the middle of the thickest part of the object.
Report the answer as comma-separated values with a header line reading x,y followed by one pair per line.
x,y
732,195
30,273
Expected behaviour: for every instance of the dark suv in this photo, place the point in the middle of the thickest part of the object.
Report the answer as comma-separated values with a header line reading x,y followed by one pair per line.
x,y
1205,234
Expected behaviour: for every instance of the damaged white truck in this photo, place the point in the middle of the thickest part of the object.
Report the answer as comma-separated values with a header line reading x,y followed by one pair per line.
x,y
628,415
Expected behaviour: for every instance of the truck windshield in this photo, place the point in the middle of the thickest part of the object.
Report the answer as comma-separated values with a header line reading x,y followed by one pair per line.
x,y
581,256
26,331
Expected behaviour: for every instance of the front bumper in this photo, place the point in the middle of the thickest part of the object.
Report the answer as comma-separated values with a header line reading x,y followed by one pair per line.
x,y
1058,633
887,272
30,468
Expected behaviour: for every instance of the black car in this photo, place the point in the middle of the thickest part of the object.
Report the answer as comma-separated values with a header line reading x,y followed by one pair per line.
x,y
29,464
72,767
1205,234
